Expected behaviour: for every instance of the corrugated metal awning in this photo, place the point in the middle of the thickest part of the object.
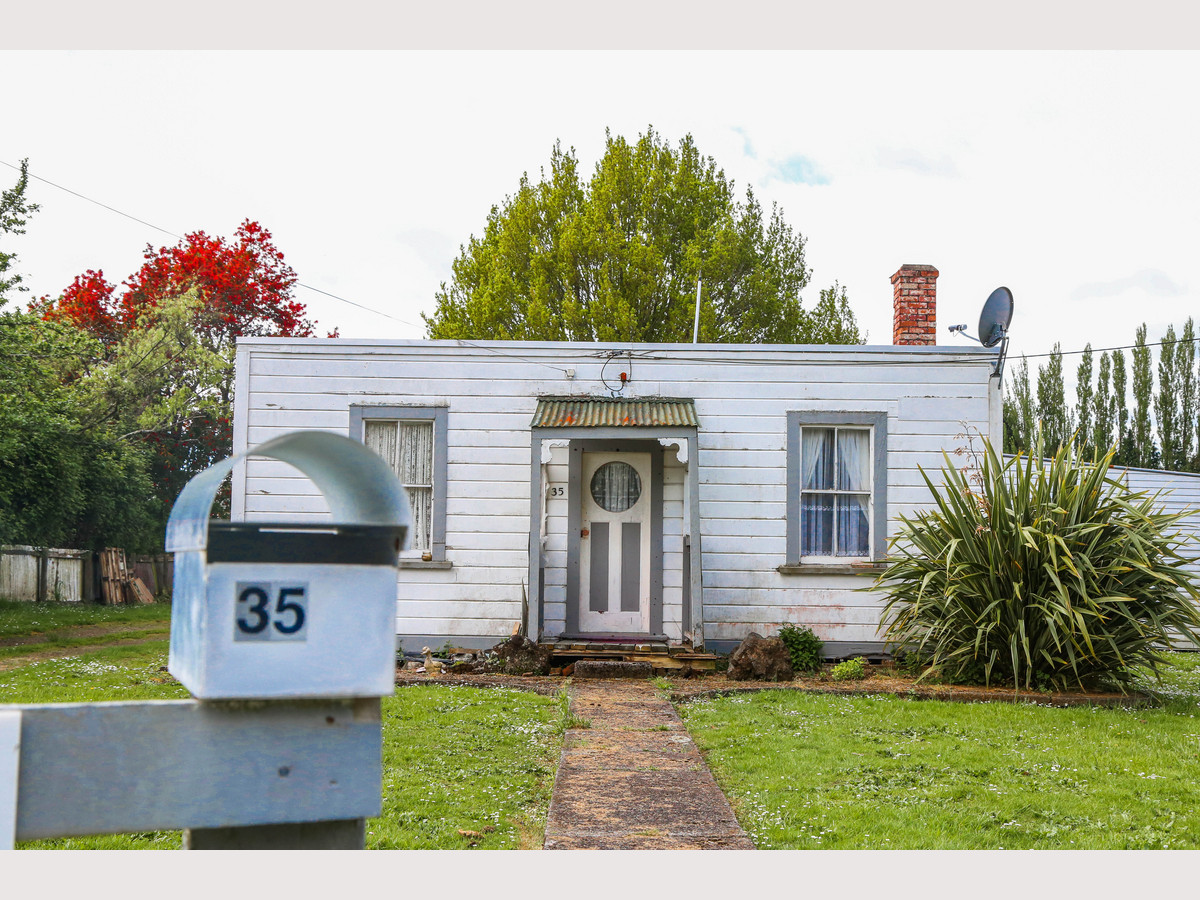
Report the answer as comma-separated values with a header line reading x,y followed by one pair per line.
x,y
559,412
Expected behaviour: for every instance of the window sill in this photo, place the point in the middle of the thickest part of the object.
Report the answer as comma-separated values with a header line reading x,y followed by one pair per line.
x,y
871,568
426,564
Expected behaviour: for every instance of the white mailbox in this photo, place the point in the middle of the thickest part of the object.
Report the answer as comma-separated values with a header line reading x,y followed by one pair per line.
x,y
265,610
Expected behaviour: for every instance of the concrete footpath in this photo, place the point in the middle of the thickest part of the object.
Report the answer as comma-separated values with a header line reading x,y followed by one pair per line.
x,y
634,779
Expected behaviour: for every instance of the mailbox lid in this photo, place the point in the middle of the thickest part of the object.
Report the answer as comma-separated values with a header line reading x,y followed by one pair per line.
x,y
317,543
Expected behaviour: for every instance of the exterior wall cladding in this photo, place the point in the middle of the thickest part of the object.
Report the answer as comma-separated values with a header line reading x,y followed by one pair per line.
x,y
724,491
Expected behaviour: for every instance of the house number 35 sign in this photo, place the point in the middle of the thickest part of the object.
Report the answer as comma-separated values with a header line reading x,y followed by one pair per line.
x,y
271,611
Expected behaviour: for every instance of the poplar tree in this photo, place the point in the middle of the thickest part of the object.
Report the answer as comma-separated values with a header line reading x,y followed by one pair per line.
x,y
1102,434
1185,366
1018,411
1166,402
1084,407
1121,436
1051,401
1143,387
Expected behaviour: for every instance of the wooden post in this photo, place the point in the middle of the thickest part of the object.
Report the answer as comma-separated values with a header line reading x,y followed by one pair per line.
x,y
43,566
343,834
10,758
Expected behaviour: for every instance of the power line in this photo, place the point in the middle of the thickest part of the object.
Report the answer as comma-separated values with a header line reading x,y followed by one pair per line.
x,y
179,237
298,283
547,365
1108,349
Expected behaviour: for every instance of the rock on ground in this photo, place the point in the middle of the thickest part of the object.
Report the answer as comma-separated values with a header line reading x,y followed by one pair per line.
x,y
519,656
761,659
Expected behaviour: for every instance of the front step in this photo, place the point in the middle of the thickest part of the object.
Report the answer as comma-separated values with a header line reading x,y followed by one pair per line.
x,y
612,668
661,656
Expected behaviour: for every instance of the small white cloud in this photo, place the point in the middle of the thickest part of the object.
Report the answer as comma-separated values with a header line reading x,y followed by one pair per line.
x,y
1153,282
433,248
747,147
913,161
798,170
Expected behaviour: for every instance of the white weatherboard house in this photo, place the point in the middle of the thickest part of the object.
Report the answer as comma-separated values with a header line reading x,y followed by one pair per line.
x,y
678,493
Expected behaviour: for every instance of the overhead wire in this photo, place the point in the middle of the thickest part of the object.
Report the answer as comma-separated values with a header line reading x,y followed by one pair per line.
x,y
309,287
493,350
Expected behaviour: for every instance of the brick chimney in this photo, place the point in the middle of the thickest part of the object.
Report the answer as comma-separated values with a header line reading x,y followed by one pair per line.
x,y
914,320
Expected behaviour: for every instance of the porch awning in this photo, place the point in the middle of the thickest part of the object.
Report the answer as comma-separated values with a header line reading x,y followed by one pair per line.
x,y
561,412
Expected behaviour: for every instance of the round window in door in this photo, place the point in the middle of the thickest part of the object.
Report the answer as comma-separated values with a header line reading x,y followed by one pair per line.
x,y
616,486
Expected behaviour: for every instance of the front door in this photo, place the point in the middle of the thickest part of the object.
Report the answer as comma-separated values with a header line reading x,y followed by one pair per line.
x,y
614,546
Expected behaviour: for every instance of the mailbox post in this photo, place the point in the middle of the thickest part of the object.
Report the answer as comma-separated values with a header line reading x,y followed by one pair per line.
x,y
284,611
284,633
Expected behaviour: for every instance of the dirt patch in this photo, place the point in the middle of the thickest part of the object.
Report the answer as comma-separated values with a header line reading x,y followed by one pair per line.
x,y
14,662
546,685
882,680
81,631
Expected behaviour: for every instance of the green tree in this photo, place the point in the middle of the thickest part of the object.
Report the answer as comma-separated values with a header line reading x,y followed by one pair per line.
x,y
1102,434
1019,413
1166,402
1084,406
63,482
618,258
1185,366
15,210
1121,435
1051,401
160,374
1143,386
237,287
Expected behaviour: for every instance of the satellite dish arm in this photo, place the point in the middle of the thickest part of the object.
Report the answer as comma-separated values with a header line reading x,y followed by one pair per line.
x,y
998,372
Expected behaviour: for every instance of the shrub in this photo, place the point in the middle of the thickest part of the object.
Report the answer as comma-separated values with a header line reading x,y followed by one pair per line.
x,y
849,670
803,647
1047,572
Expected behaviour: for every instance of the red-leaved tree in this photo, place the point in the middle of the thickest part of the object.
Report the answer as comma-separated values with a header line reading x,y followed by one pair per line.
x,y
244,288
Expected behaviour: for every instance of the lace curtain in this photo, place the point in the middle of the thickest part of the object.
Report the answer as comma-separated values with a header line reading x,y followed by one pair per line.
x,y
835,495
616,486
408,448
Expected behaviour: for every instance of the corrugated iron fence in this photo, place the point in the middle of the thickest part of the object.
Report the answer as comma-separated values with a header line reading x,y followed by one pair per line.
x,y
72,576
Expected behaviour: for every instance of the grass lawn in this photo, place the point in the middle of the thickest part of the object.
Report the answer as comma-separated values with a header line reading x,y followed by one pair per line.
x,y
807,771
21,619
480,760
28,628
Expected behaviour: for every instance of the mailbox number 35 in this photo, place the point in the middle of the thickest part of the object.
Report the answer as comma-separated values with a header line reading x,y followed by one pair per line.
x,y
268,611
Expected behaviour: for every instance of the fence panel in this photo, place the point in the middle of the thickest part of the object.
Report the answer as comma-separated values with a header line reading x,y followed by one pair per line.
x,y
41,573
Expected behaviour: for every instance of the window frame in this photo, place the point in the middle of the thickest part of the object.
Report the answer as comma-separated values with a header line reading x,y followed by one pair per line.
x,y
361,413
876,423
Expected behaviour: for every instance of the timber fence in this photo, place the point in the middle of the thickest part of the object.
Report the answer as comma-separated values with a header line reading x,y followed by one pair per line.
x,y
39,574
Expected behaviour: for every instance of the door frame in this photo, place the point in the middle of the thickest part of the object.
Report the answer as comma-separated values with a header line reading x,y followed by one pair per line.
x,y
575,488
693,595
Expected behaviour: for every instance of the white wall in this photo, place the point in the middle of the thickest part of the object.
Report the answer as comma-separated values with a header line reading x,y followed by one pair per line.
x,y
742,395
1180,494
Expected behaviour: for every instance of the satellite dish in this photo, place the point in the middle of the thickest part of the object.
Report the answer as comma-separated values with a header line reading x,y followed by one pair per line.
x,y
993,325
996,317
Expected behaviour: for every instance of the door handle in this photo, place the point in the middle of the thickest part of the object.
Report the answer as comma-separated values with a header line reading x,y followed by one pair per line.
x,y
584,532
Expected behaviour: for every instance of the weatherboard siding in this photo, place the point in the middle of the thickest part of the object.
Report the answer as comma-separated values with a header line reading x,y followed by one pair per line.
x,y
491,395
1176,492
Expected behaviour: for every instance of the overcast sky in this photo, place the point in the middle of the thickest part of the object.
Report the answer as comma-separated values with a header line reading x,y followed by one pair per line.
x,y
1071,178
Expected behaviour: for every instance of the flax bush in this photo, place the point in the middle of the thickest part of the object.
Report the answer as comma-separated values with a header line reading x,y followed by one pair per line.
x,y
1039,574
